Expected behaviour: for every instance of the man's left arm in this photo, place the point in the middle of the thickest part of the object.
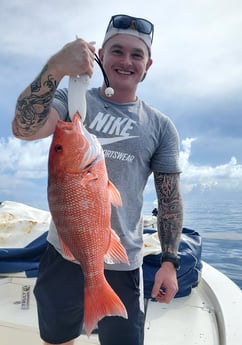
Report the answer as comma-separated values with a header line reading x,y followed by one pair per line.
x,y
169,226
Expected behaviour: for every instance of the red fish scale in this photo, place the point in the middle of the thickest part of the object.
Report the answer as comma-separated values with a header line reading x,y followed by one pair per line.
x,y
80,205
87,207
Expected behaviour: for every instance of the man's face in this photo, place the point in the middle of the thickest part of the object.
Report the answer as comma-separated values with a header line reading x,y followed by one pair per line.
x,y
125,59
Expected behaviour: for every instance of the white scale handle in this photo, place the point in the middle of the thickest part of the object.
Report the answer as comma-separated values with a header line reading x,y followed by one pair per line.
x,y
77,96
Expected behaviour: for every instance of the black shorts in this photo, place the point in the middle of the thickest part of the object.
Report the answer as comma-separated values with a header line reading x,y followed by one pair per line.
x,y
59,294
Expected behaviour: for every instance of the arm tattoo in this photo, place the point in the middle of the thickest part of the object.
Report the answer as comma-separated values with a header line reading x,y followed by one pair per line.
x,y
33,105
170,211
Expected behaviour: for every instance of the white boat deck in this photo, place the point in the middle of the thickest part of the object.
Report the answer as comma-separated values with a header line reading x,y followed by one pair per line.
x,y
210,315
187,320
200,318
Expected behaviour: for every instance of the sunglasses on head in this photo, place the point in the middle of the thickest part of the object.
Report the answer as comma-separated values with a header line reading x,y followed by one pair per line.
x,y
122,21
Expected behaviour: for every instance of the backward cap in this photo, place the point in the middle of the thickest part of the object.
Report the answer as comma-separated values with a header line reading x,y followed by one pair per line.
x,y
115,31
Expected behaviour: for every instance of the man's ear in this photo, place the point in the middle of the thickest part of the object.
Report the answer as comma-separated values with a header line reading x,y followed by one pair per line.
x,y
100,54
149,63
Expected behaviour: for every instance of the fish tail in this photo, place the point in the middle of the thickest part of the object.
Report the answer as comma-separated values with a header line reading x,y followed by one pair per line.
x,y
116,252
100,302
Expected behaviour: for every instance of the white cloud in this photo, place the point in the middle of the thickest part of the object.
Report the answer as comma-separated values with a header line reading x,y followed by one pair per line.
x,y
226,177
23,171
24,160
196,52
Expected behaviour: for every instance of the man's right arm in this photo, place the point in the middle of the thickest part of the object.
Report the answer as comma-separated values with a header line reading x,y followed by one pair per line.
x,y
34,117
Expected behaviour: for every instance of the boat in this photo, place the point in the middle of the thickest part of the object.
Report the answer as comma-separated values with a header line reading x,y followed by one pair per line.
x,y
209,314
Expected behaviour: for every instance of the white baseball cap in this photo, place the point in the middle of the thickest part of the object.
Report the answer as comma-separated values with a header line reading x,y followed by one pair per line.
x,y
138,27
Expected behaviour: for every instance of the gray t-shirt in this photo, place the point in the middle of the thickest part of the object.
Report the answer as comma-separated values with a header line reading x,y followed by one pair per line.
x,y
137,140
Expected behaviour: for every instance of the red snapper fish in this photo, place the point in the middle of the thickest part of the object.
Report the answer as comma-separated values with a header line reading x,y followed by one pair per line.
x,y
80,197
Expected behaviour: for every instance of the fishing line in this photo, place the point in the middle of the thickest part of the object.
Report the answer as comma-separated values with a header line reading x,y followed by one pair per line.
x,y
109,91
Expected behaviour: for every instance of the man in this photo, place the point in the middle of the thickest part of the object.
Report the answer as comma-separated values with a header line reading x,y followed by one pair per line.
x,y
137,140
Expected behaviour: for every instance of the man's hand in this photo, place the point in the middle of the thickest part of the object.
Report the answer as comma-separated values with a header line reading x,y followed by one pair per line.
x,y
165,286
74,58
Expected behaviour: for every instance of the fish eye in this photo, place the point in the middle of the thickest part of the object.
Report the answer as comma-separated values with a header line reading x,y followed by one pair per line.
x,y
58,148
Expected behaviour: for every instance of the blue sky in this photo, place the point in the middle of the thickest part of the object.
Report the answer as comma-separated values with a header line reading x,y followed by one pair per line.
x,y
196,79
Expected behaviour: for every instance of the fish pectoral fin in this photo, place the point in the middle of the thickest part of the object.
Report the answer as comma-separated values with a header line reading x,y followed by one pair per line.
x,y
66,251
89,176
116,252
115,196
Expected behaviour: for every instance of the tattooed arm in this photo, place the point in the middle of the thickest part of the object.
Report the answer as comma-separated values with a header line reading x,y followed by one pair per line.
x,y
170,211
169,226
34,116
33,108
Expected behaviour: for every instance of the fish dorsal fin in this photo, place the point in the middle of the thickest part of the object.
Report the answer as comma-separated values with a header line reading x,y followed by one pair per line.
x,y
115,196
116,252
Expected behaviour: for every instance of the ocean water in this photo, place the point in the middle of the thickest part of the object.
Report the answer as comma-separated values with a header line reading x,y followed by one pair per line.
x,y
220,225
